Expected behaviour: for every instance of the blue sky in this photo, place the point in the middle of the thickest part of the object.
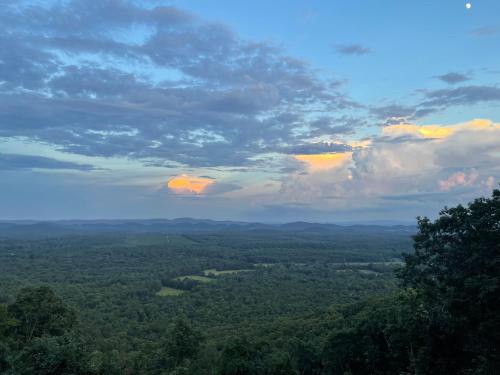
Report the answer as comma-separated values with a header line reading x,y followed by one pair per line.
x,y
269,111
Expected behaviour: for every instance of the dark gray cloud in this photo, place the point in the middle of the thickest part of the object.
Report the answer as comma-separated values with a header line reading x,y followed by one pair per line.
x,y
453,78
465,95
393,113
335,125
351,49
111,78
10,162
435,100
317,148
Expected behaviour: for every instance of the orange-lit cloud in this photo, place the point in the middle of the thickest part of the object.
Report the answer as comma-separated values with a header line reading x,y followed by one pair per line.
x,y
360,144
184,184
438,131
424,131
321,162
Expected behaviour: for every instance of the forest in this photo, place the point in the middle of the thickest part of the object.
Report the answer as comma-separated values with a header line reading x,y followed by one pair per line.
x,y
257,301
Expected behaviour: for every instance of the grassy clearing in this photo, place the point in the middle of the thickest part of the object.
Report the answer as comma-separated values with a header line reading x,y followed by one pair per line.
x,y
369,272
169,292
265,265
214,272
201,279
391,263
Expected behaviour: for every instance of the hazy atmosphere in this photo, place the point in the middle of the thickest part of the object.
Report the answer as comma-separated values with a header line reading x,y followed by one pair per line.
x,y
266,111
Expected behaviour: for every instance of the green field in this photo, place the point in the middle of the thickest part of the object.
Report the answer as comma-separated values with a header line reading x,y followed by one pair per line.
x,y
214,272
201,279
169,292
363,264
264,264
368,272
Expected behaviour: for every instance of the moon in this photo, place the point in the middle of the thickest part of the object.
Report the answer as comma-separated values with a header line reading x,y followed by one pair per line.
x,y
468,5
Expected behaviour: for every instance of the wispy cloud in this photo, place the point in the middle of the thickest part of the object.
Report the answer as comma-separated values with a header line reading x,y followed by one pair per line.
x,y
10,162
485,31
453,78
351,49
464,95
433,101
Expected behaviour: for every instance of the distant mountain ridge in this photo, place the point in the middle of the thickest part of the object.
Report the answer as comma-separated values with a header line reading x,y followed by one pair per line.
x,y
36,229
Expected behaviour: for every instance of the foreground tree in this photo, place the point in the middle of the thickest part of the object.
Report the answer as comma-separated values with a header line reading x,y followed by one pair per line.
x,y
38,312
50,355
6,324
446,318
456,272
37,336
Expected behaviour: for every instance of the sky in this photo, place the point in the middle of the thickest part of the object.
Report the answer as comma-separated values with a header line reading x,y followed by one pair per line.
x,y
271,111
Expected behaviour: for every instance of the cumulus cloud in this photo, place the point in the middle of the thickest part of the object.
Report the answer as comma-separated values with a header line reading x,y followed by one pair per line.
x,y
413,162
185,184
199,185
458,179
320,162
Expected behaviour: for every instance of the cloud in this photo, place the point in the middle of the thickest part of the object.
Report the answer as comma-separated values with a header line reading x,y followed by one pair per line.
x,y
490,183
458,179
339,125
414,162
185,184
178,89
485,31
317,148
199,185
433,101
453,78
465,95
320,162
351,49
423,131
393,113
220,188
22,162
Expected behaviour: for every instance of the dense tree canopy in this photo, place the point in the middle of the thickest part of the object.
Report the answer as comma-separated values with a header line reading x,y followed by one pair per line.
x,y
446,317
456,271
267,303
